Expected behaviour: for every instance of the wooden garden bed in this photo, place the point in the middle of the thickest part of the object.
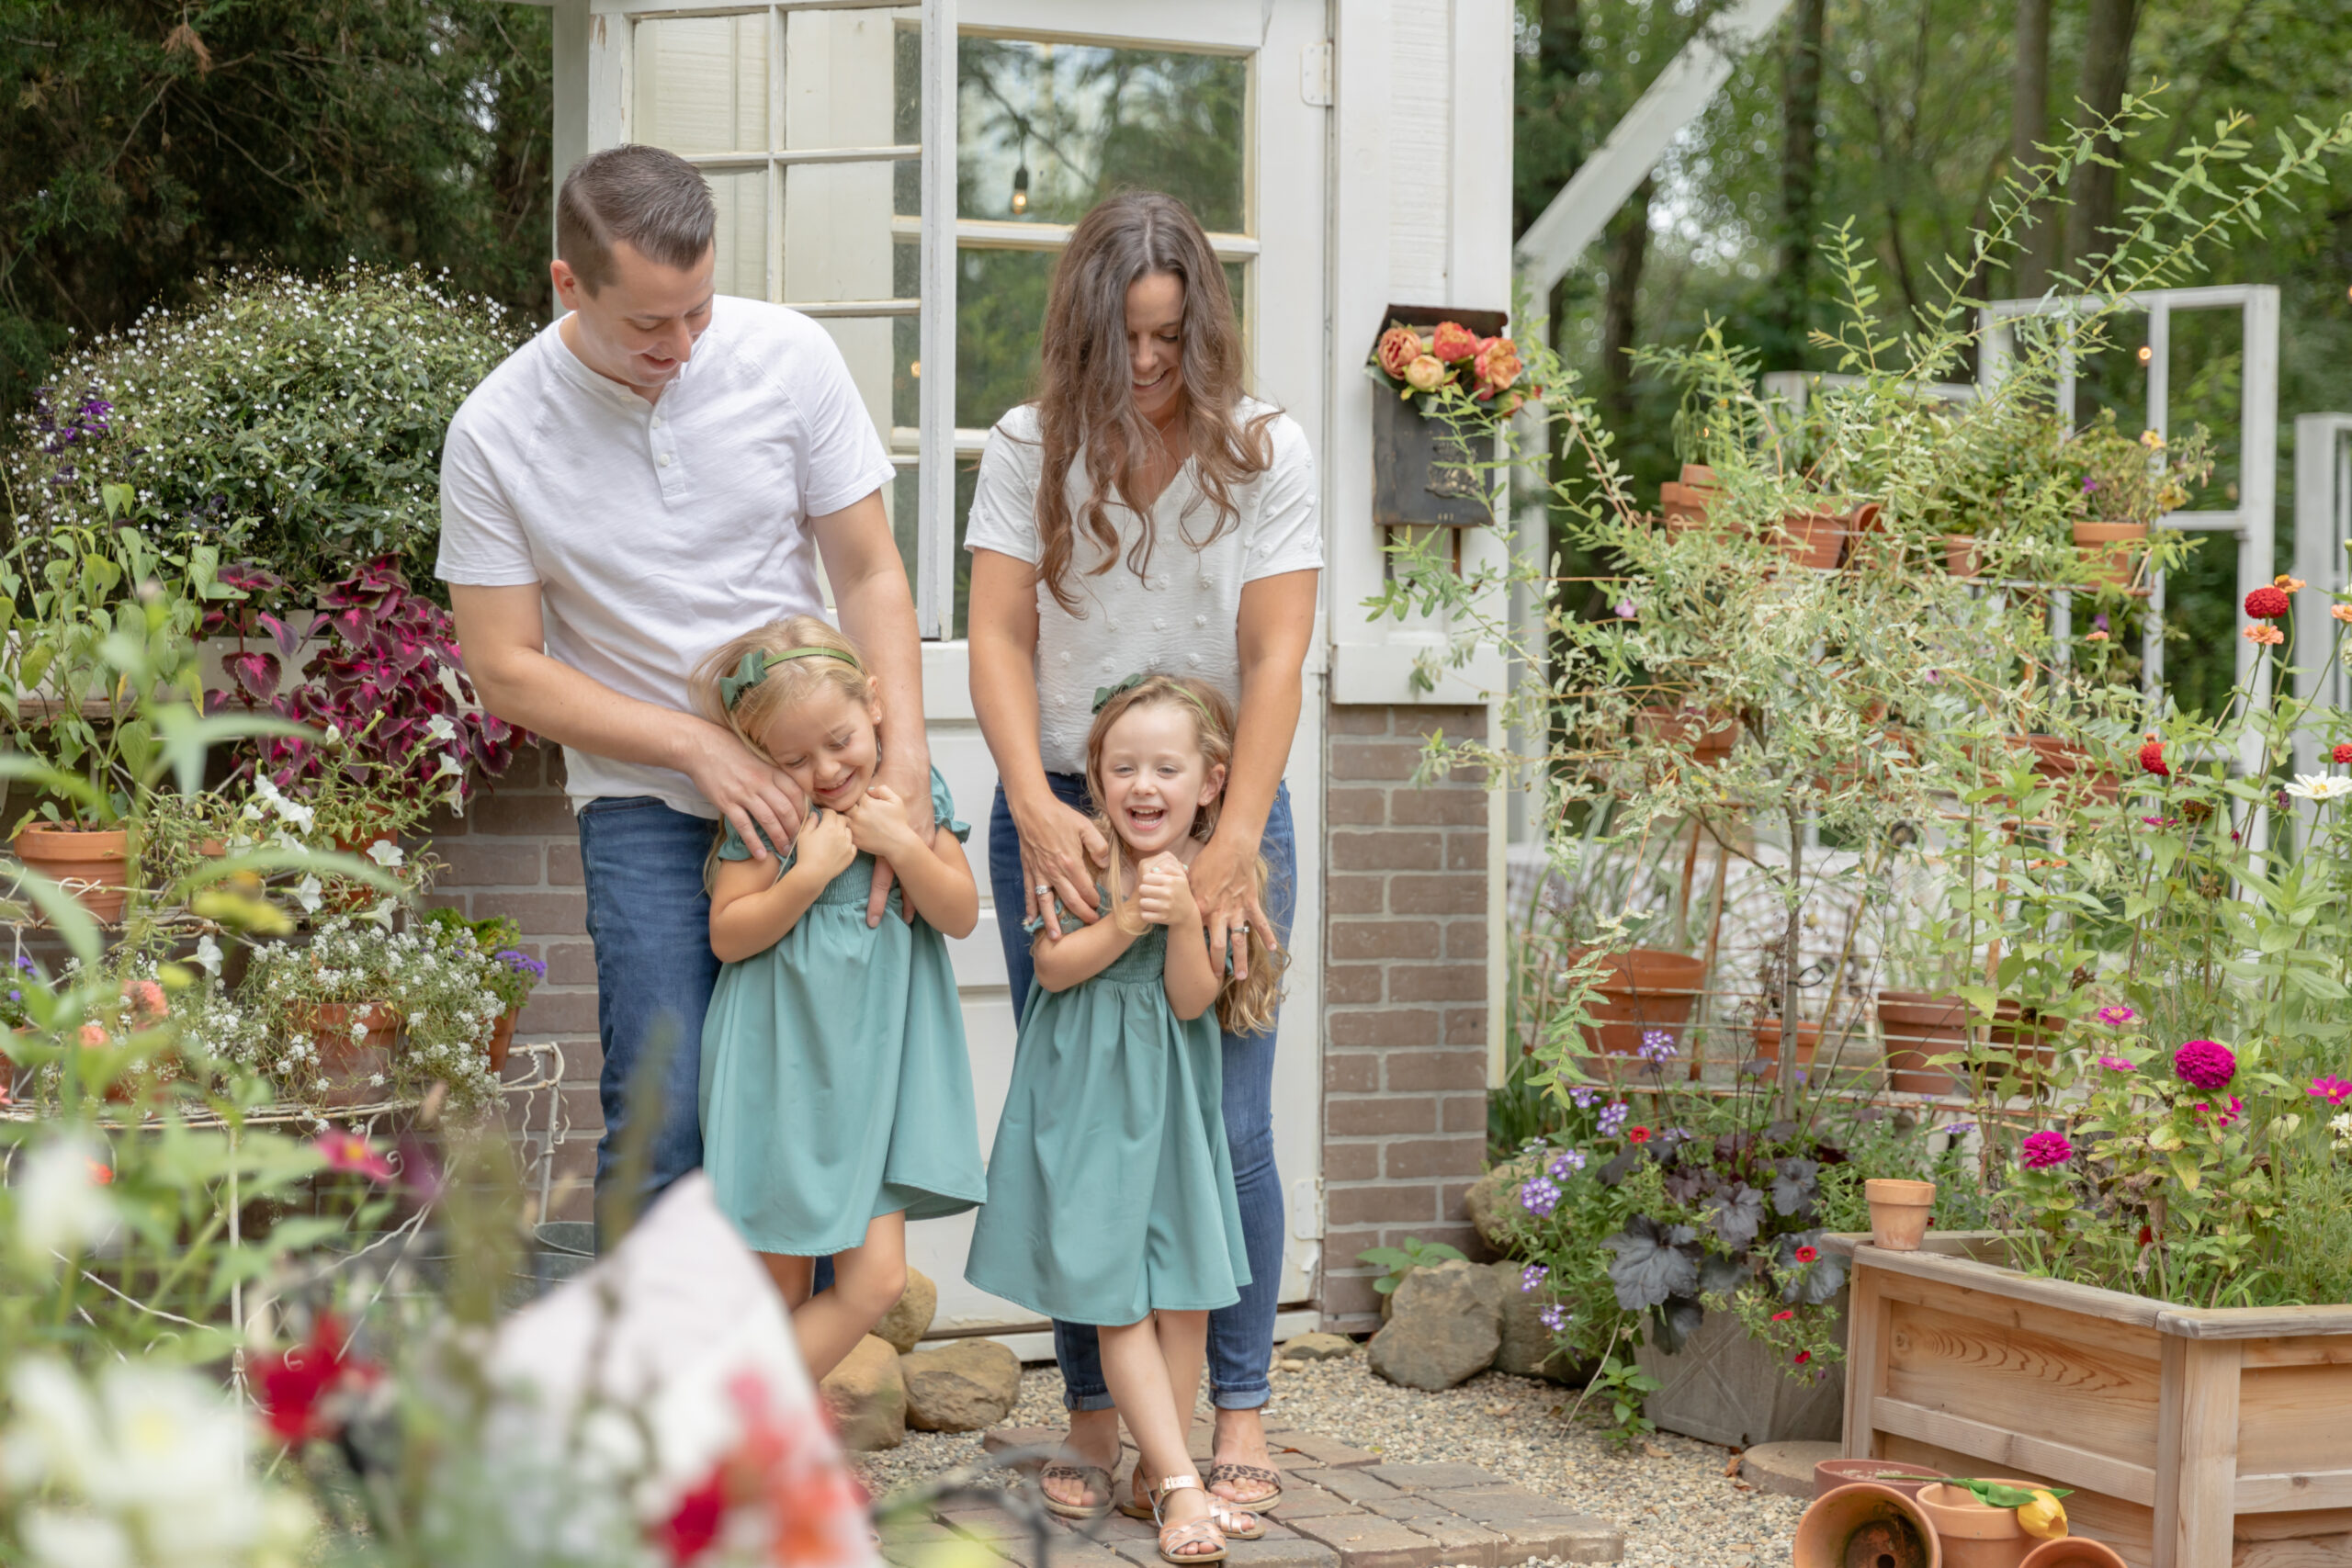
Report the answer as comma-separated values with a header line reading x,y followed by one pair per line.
x,y
2194,1439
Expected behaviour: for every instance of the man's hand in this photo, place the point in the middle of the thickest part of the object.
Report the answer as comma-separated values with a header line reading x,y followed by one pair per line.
x,y
1225,884
914,806
748,791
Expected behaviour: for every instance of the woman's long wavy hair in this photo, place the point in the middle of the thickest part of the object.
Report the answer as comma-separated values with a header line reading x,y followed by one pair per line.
x,y
1086,405
1245,1006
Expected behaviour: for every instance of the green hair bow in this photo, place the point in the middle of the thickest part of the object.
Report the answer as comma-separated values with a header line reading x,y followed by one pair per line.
x,y
1102,694
755,665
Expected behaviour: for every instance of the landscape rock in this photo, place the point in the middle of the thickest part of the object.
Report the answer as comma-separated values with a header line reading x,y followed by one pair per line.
x,y
961,1387
869,1396
1527,1345
1318,1347
905,1324
1445,1328
1491,1200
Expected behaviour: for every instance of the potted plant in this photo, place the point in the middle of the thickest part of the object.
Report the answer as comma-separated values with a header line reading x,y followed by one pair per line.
x,y
512,978
1436,363
2125,486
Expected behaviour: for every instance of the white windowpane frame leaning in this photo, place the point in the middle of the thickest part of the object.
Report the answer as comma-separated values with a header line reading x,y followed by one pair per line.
x,y
813,121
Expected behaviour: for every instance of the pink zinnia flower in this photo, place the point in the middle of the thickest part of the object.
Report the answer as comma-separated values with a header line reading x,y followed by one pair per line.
x,y
2115,1064
2334,1090
349,1151
2042,1150
2116,1017
2227,1114
2205,1064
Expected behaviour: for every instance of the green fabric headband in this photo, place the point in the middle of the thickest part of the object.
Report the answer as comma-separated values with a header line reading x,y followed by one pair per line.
x,y
1102,694
756,665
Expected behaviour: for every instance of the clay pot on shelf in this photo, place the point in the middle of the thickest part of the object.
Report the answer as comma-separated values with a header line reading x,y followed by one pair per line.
x,y
2074,1551
1643,988
1865,1523
91,863
348,1063
2109,547
1974,1534
1899,1212
1768,1045
501,1040
2062,761
1815,539
1917,1025
1962,555
1831,1473
359,895
1710,734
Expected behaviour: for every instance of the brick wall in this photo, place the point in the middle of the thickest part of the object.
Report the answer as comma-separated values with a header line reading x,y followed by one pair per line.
x,y
1405,992
515,852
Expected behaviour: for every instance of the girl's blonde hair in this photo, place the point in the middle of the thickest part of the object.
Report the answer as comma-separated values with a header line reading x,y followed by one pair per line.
x,y
1243,1005
783,685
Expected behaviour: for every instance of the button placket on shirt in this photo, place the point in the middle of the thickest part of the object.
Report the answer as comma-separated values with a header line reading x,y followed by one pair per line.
x,y
662,446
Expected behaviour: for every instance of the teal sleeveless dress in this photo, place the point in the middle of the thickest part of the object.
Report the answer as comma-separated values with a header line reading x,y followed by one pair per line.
x,y
835,1084
1110,1188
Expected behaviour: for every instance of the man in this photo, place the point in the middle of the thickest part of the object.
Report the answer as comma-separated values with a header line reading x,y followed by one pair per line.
x,y
656,472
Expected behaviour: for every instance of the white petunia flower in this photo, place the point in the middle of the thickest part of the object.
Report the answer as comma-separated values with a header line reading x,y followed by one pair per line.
x,y
439,728
309,892
386,853
207,954
62,1205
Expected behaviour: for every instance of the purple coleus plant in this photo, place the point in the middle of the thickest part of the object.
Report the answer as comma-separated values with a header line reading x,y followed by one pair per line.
x,y
389,683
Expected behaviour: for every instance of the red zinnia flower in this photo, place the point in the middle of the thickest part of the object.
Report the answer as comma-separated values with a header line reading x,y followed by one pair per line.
x,y
2151,759
1806,1253
692,1529
294,1384
1802,1357
2267,604
2343,752
1638,1135
1782,1317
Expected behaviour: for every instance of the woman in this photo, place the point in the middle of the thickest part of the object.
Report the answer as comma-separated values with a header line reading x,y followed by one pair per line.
x,y
1145,514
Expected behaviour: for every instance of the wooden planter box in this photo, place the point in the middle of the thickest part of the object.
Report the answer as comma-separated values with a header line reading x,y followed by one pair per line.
x,y
2194,1439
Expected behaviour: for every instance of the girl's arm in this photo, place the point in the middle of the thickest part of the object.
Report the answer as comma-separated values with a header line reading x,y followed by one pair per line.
x,y
1166,897
934,875
751,908
1080,954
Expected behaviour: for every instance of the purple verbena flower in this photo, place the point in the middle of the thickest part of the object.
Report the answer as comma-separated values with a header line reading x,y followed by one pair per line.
x,y
1554,1317
2042,1150
522,962
2205,1064
1657,1047
1540,1197
1568,1162
1532,1276
1582,1096
1613,1117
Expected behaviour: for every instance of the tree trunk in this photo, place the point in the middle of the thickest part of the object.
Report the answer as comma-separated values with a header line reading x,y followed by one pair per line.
x,y
2029,127
2106,66
1629,244
1789,313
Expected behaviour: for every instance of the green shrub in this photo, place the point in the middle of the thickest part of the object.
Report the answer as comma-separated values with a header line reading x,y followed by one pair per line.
x,y
291,423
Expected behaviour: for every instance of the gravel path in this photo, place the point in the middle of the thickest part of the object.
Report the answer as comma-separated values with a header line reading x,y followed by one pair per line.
x,y
1678,1508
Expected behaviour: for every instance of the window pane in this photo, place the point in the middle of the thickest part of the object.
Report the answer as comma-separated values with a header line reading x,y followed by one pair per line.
x,y
743,242
967,479
1084,120
837,239
702,83
843,79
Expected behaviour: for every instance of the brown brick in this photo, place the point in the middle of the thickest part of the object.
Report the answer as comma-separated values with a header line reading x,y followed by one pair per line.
x,y
1425,1072
1376,761
1359,720
570,963
1445,807
1385,1027
1465,1026
1430,1478
1387,849
571,1197
1378,1114
1346,984
521,816
1355,894
576,1155
1399,1204
1447,892
1464,851
1383,939
558,1013
1408,1158
1463,1238
1456,722
563,863
1448,982
1340,1248
1463,1113
1466,939
1448,1199
1348,1483
1348,1072
485,862
1371,1541
555,775
1360,806
539,914
1350,1162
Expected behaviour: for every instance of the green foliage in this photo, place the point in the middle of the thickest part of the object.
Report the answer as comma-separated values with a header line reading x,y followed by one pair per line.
x,y
1400,1261
1623,1387
294,424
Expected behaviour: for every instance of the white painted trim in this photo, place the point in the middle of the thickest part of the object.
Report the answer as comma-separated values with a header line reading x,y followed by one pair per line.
x,y
2322,523
936,440
1234,27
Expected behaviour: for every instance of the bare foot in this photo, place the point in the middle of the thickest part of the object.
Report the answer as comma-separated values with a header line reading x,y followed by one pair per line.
x,y
1093,1442
1241,1441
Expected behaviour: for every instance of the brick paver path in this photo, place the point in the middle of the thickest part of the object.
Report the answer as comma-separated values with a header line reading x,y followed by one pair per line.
x,y
1342,1507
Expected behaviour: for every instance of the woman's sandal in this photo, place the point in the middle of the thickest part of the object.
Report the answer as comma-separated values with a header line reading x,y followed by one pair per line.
x,y
1247,1475
1093,1477
1203,1531
1233,1523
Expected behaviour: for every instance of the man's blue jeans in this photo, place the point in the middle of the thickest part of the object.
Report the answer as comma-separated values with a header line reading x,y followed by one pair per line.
x,y
649,915
1241,1336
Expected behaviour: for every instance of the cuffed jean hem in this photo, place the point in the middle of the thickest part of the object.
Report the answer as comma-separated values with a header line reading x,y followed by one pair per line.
x,y
1087,1401
1241,1398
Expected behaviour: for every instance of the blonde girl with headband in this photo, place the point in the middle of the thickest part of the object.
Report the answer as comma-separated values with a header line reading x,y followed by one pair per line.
x,y
1110,1187
836,1096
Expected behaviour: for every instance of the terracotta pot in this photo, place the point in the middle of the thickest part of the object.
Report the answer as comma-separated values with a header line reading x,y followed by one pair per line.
x,y
1963,557
1917,1025
2109,547
1644,989
1768,1045
1710,735
347,1064
93,863
501,1038
1815,539
358,895
1866,1524
2074,1551
1974,1535
1899,1212
1683,505
2062,761
1831,1473
1698,475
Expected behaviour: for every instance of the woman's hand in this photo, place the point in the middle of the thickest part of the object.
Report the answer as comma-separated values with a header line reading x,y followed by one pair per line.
x,y
1060,848
1225,884
827,847
1164,894
879,824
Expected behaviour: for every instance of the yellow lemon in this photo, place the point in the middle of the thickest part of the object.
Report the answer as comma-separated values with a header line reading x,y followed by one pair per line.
x,y
2044,1518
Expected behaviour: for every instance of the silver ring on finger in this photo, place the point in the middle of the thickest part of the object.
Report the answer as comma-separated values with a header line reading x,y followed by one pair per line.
x,y
1043,889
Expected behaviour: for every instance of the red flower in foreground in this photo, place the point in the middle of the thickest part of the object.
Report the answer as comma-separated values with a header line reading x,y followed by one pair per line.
x,y
2343,752
1806,1253
1802,1357
782,1469
349,1151
2267,604
2146,1236
1782,1317
693,1528
2151,759
298,1386
1637,1136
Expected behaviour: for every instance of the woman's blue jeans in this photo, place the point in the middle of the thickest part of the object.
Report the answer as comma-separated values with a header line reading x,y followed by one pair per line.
x,y
1241,1336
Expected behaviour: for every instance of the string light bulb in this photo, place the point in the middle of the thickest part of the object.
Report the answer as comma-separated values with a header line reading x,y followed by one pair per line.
x,y
2146,354
1020,189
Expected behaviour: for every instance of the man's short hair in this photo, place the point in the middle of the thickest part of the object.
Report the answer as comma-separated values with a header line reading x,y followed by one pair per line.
x,y
654,200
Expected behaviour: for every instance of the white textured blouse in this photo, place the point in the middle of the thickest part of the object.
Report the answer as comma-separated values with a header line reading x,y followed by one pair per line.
x,y
1185,619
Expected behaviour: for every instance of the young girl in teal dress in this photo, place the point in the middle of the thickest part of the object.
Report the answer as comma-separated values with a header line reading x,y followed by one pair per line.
x,y
836,1096
1111,1192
